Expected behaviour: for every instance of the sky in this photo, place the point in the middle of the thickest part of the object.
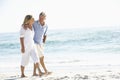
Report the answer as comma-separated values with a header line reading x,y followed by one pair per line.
x,y
61,14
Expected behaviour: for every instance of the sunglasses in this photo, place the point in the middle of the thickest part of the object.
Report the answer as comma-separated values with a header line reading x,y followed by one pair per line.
x,y
28,17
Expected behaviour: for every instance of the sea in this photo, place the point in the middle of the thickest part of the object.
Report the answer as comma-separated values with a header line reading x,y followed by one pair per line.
x,y
91,46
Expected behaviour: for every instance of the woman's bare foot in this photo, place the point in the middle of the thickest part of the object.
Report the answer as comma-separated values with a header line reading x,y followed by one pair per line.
x,y
35,75
22,76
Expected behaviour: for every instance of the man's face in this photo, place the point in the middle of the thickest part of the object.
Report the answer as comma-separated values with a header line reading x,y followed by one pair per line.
x,y
42,18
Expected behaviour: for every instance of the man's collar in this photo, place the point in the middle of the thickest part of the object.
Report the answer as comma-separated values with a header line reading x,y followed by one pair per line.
x,y
39,23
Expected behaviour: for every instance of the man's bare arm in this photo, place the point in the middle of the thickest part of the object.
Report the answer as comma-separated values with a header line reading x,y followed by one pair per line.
x,y
44,39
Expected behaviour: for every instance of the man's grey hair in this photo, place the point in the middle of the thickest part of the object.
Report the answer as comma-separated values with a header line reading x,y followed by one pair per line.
x,y
42,14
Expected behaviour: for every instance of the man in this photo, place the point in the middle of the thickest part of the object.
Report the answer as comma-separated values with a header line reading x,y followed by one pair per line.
x,y
40,29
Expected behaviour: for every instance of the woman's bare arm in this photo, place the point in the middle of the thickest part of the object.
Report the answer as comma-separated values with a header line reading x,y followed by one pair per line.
x,y
22,45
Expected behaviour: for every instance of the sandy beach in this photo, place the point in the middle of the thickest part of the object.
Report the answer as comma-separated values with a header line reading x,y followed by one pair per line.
x,y
65,71
81,67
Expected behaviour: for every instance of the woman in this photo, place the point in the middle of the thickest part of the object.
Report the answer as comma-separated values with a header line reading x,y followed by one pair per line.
x,y
27,45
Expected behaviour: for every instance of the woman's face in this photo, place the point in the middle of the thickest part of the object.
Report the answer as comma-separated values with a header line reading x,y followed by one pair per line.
x,y
31,21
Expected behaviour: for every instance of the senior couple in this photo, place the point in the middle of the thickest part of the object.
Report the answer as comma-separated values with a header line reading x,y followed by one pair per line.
x,y
32,39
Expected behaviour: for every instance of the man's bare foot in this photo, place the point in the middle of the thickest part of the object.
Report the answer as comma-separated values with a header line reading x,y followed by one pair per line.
x,y
41,74
47,73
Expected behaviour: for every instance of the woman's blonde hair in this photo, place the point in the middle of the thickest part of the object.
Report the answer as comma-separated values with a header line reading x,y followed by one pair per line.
x,y
26,20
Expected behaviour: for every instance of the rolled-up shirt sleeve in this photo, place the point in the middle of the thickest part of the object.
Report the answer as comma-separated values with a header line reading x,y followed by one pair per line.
x,y
46,30
22,32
